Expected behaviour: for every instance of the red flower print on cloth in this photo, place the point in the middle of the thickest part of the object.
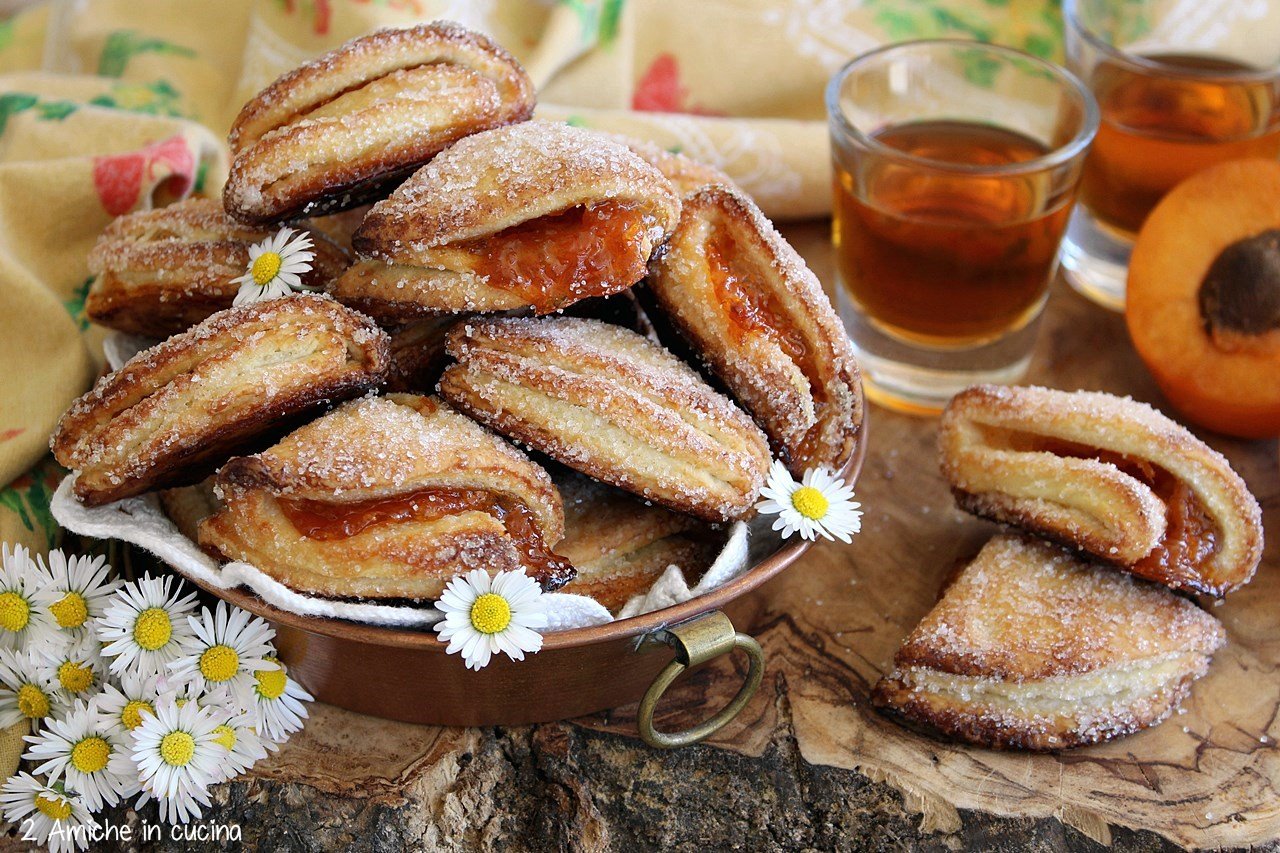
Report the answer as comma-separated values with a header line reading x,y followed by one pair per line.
x,y
659,90
8,434
119,178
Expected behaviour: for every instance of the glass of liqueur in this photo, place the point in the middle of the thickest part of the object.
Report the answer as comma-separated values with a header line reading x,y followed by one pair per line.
x,y
955,168
1181,85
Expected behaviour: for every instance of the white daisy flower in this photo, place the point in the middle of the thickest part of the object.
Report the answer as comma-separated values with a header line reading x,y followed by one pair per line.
x,y
24,606
144,626
38,810
177,754
72,666
276,266
821,505
92,757
483,616
242,745
277,704
28,696
79,591
227,647
125,706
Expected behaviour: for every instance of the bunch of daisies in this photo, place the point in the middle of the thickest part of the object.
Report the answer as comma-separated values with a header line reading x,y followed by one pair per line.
x,y
128,691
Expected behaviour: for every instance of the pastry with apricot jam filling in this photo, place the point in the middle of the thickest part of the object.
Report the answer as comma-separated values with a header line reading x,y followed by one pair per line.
x,y
231,384
344,129
159,272
388,498
754,312
530,216
610,404
1108,475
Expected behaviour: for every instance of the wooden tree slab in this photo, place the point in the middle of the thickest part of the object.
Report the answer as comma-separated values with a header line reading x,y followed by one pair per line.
x,y
809,764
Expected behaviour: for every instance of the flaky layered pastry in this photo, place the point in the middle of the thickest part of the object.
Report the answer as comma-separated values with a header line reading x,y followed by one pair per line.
x,y
611,404
533,215
621,545
1108,475
175,412
388,498
417,353
159,272
761,320
1033,648
344,128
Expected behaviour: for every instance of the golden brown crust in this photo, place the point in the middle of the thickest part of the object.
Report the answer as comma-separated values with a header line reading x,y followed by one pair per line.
x,y
417,353
159,272
1029,457
187,506
620,545
336,131
417,248
176,411
794,370
1031,647
374,449
613,405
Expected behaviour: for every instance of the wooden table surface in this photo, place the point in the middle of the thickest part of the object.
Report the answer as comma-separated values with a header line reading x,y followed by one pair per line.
x,y
808,765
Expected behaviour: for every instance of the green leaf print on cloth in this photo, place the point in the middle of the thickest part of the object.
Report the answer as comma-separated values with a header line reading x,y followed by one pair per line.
x,y
123,45
28,498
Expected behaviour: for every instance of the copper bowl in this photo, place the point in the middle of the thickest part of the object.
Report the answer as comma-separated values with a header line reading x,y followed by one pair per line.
x,y
403,674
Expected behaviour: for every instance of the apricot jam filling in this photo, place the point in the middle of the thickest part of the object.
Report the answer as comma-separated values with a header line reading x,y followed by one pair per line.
x,y
1190,536
754,308
326,522
554,261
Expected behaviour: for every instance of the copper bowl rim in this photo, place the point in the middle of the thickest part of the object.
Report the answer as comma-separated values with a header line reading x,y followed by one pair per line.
x,y
425,638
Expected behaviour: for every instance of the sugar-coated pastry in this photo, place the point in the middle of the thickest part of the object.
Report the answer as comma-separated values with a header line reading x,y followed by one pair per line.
x,y
611,404
760,319
175,412
533,215
159,272
187,506
388,498
347,127
1105,474
1031,647
621,545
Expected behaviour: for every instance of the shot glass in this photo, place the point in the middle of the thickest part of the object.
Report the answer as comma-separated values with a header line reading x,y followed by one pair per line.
x,y
956,166
1180,86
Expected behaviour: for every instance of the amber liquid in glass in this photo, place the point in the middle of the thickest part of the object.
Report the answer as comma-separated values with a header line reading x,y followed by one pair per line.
x,y
1159,129
946,258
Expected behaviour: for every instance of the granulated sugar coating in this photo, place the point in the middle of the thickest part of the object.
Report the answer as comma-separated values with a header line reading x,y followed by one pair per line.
x,y
1032,647
340,130
175,411
612,404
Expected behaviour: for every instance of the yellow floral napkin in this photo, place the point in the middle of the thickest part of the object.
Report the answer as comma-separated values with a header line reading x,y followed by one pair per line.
x,y
108,106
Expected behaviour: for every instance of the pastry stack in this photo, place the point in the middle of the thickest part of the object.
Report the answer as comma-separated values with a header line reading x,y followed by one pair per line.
x,y
1077,626
477,344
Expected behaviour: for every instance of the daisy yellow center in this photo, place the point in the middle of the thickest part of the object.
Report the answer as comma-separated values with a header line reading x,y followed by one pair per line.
x,y
131,716
71,610
271,682
810,503
53,809
177,749
90,755
226,736
266,267
219,663
14,611
74,676
32,702
152,629
490,613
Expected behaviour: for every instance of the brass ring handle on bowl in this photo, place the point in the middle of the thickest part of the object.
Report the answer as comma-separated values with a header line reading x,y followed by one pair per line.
x,y
698,641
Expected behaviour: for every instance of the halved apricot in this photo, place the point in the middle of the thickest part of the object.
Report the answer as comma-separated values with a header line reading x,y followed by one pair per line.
x,y
1203,303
